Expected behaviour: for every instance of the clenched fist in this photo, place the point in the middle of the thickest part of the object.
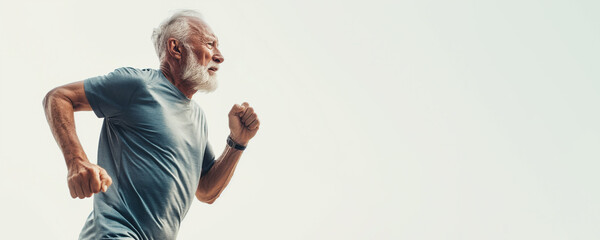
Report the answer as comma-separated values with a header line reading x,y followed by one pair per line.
x,y
243,123
85,179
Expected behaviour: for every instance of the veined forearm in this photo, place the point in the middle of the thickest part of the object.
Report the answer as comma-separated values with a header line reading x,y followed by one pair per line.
x,y
83,178
216,179
60,116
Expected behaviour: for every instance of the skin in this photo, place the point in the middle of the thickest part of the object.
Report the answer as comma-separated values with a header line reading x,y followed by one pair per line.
x,y
85,178
204,45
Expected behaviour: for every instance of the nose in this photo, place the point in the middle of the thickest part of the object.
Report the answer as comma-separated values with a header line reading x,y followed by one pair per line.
x,y
217,57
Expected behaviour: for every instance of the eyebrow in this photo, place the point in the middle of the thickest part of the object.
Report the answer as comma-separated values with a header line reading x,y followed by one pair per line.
x,y
214,39
209,37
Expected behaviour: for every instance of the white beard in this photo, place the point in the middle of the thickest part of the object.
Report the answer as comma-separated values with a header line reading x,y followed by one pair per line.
x,y
198,75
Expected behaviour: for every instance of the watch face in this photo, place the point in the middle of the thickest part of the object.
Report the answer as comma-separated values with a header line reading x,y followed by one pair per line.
x,y
233,144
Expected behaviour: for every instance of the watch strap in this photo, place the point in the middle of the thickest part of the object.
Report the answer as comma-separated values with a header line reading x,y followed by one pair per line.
x,y
235,145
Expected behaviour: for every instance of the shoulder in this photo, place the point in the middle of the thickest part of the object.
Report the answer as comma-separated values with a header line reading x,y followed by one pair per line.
x,y
125,77
121,81
110,94
128,74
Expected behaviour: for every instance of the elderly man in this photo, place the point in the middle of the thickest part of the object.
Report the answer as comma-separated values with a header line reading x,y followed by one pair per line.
x,y
153,155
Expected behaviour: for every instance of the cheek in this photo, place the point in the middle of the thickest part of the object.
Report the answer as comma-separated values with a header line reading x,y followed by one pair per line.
x,y
204,58
207,57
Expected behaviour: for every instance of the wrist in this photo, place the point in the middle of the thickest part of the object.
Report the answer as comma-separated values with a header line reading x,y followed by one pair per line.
x,y
76,160
233,143
237,139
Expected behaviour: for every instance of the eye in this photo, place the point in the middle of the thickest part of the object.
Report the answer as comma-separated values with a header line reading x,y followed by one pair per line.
x,y
210,45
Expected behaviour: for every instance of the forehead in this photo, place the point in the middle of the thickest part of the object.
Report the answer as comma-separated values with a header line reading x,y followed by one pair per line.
x,y
201,28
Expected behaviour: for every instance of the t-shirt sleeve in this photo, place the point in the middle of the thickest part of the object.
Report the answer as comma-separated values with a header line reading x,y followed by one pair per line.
x,y
110,95
209,159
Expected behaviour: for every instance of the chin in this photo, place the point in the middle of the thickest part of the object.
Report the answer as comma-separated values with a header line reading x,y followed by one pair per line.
x,y
207,85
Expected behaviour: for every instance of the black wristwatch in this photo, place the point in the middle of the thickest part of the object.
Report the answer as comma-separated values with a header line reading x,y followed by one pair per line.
x,y
235,145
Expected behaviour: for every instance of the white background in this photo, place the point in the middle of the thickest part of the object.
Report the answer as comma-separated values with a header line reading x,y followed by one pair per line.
x,y
380,119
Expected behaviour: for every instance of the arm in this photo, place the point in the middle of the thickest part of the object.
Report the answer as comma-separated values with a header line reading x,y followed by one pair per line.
x,y
84,178
243,125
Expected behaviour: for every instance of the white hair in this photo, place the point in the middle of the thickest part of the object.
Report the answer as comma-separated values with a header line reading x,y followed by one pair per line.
x,y
177,26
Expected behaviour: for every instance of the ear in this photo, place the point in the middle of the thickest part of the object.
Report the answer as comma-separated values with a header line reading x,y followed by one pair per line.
x,y
174,48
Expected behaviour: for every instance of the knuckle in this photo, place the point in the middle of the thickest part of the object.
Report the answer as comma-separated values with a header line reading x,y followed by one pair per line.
x,y
80,177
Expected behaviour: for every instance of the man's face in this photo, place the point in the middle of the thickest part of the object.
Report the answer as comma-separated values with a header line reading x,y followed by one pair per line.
x,y
202,58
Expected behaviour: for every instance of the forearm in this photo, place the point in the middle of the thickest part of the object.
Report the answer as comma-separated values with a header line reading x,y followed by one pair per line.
x,y
84,178
59,111
216,179
243,125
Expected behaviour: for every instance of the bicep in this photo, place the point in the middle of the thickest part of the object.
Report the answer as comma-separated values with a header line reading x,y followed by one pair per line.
x,y
73,93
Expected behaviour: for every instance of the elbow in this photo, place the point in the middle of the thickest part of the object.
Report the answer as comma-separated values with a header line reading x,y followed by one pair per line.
x,y
58,95
206,198
49,96
54,95
49,100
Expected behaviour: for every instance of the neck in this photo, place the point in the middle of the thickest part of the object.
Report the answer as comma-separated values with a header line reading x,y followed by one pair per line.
x,y
174,76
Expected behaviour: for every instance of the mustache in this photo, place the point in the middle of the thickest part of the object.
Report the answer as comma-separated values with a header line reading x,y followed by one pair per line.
x,y
212,64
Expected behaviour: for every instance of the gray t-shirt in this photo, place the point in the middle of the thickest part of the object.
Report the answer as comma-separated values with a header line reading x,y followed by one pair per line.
x,y
154,145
